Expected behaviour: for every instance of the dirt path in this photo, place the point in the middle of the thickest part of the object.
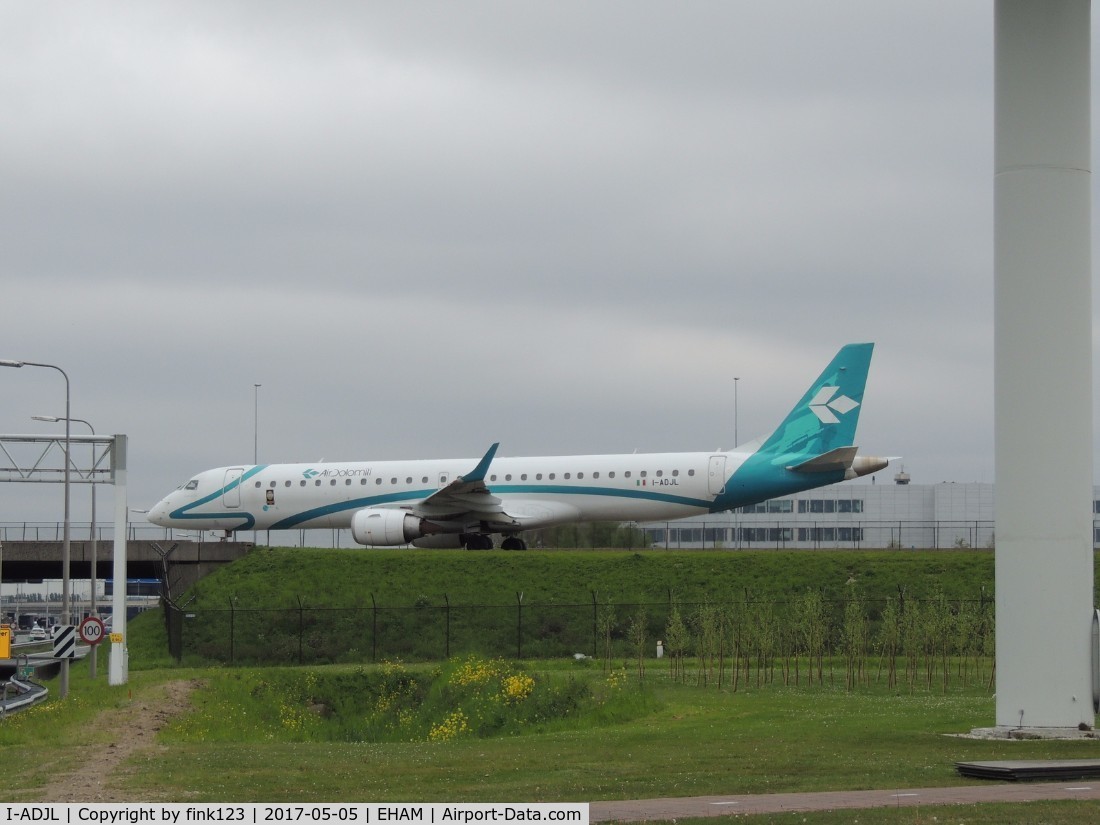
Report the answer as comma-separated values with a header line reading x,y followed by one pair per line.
x,y
132,730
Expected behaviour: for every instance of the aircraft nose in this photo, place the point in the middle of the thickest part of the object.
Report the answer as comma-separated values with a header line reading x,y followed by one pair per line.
x,y
158,513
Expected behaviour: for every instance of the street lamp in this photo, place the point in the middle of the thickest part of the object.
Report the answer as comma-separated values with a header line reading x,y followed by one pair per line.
x,y
735,380
66,616
256,423
94,607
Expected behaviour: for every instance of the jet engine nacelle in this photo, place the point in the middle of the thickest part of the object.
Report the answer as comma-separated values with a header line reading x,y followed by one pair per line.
x,y
382,527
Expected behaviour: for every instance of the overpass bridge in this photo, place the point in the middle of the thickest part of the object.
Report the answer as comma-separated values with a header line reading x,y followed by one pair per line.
x,y
179,564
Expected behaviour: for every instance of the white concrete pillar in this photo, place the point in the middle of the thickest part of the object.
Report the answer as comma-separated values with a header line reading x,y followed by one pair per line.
x,y
1043,316
118,670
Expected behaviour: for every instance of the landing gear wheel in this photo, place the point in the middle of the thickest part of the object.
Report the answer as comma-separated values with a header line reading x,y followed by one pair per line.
x,y
476,541
513,543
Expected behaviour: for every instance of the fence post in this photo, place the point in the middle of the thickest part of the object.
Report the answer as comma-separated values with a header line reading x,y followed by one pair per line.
x,y
595,625
447,626
301,628
519,625
232,621
374,629
174,623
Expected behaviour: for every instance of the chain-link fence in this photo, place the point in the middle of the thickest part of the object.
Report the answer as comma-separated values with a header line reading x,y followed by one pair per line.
x,y
807,626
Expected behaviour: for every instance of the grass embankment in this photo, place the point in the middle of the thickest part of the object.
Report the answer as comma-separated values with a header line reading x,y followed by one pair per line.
x,y
300,606
279,577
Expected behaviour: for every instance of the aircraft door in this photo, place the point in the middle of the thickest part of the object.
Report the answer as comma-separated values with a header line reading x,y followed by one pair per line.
x,y
231,489
716,475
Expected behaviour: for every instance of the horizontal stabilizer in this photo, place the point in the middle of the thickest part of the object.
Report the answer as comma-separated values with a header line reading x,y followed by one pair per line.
x,y
842,459
839,459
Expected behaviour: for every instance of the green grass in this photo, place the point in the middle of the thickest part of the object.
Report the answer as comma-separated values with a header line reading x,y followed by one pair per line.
x,y
467,698
279,577
687,741
672,739
296,606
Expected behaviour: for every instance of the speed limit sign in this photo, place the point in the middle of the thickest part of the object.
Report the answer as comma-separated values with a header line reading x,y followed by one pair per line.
x,y
91,630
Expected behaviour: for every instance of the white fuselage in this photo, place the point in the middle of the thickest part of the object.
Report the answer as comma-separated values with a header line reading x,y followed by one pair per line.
x,y
540,491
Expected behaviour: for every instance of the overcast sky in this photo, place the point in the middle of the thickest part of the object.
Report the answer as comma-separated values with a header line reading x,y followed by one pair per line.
x,y
425,227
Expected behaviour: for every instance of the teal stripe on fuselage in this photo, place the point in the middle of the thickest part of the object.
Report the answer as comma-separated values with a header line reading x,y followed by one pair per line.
x,y
753,483
186,513
343,506
535,490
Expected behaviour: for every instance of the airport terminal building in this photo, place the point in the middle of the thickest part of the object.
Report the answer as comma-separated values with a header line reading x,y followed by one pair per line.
x,y
856,515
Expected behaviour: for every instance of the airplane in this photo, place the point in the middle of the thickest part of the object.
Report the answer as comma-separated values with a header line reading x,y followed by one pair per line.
x,y
452,503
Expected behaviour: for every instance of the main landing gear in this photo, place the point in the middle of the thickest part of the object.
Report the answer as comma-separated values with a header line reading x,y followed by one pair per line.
x,y
476,541
480,541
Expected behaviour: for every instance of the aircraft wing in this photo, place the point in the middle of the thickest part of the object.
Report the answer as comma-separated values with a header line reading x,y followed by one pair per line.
x,y
467,498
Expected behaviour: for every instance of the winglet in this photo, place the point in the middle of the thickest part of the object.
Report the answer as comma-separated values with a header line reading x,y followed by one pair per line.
x,y
482,467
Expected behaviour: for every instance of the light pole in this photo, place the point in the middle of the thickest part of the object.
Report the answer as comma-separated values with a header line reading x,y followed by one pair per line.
x,y
256,423
736,441
93,583
66,616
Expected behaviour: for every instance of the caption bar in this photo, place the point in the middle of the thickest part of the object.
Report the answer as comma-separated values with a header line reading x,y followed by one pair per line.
x,y
468,813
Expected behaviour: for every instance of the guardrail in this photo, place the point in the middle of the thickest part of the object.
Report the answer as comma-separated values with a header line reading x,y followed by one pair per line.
x,y
137,531
30,693
748,533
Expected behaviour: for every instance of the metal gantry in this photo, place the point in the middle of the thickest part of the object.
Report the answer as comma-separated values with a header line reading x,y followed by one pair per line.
x,y
40,459
43,462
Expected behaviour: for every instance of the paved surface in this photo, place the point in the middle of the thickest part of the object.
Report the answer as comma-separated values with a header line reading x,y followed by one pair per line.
x,y
678,808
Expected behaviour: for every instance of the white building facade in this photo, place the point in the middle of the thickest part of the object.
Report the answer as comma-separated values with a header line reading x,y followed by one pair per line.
x,y
869,516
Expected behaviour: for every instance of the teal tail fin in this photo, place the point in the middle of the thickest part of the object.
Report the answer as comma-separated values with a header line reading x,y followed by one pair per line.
x,y
826,416
815,443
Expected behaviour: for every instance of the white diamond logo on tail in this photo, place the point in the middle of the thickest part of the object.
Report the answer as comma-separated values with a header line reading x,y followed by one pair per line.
x,y
823,405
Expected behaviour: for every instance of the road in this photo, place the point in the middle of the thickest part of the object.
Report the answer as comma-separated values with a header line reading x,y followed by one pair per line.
x,y
702,806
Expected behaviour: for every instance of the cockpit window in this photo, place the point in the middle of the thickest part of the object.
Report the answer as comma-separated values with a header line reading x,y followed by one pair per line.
x,y
193,484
